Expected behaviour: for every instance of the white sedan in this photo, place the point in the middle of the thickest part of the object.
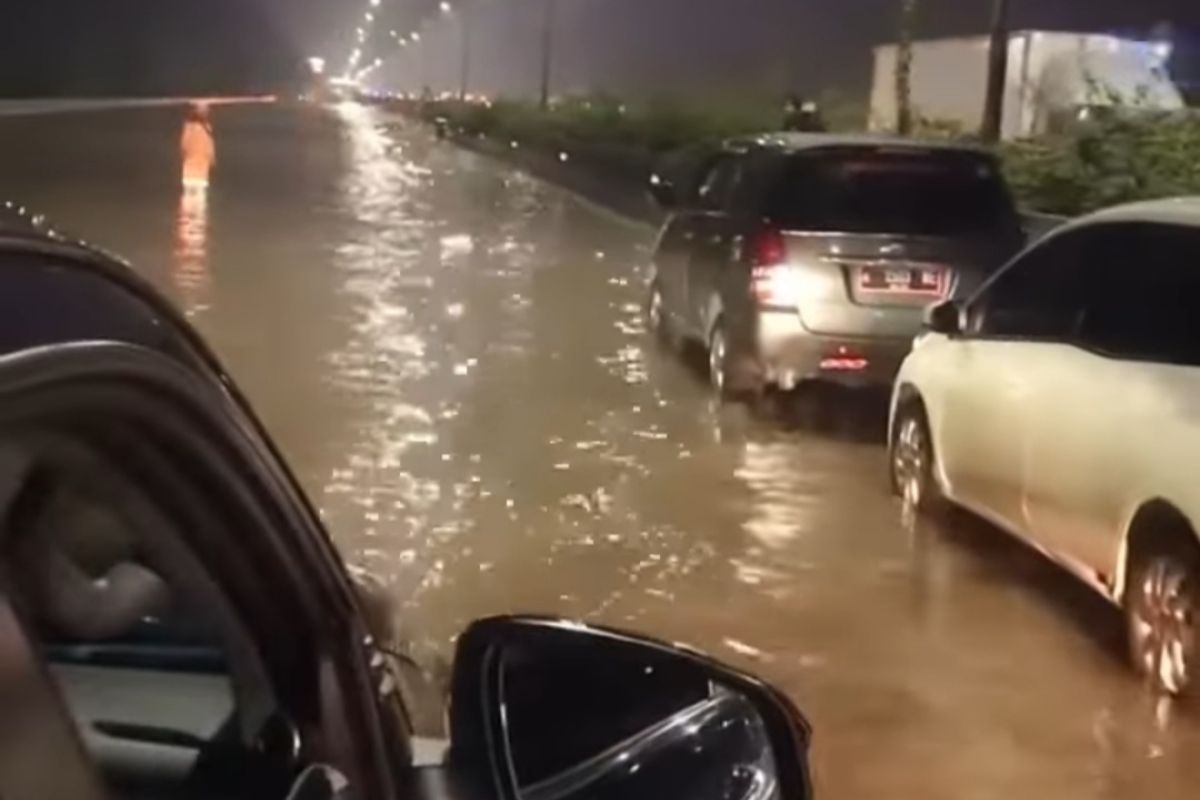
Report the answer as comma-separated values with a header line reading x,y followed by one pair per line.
x,y
1062,403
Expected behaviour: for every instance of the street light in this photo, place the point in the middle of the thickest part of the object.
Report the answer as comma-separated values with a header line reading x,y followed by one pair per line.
x,y
446,7
464,67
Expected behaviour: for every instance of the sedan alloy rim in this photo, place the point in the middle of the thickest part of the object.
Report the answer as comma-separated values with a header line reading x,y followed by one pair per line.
x,y
1162,636
908,461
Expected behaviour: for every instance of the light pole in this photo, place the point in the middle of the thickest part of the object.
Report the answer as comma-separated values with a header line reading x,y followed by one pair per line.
x,y
464,67
997,79
420,55
547,49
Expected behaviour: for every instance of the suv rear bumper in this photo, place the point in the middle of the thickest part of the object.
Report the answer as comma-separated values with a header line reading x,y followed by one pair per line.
x,y
787,354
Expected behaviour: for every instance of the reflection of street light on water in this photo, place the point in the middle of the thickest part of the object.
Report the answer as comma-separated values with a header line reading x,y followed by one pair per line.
x,y
189,272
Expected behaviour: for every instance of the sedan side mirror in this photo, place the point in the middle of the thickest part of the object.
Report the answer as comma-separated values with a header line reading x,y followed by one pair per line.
x,y
320,782
549,710
944,317
663,191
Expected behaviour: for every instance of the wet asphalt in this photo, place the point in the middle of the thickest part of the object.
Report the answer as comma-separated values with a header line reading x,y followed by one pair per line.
x,y
452,356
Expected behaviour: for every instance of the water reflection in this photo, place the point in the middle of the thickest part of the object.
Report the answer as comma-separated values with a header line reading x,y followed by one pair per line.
x,y
190,270
453,356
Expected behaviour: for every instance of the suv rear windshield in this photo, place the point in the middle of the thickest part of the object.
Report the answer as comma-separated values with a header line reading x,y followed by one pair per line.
x,y
891,190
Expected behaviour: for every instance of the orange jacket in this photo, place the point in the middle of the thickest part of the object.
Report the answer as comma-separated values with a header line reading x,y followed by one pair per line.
x,y
199,150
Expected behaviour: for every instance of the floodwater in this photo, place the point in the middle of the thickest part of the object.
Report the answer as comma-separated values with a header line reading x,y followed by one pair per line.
x,y
451,354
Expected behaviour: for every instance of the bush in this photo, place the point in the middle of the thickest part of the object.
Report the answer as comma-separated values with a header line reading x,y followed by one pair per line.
x,y
1118,157
1124,153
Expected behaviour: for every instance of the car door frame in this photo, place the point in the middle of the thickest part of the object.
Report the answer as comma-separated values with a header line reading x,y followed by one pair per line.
x,y
73,770
713,243
991,361
676,239
286,580
1085,523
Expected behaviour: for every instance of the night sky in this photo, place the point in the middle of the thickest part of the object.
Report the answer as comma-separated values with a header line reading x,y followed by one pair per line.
x,y
76,47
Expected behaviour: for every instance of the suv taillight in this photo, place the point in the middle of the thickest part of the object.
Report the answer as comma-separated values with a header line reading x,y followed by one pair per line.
x,y
772,278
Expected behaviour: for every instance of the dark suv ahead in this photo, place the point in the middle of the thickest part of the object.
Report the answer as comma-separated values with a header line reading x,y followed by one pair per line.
x,y
798,257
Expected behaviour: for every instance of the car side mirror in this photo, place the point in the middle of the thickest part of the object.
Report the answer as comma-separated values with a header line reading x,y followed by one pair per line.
x,y
944,317
543,709
320,782
663,191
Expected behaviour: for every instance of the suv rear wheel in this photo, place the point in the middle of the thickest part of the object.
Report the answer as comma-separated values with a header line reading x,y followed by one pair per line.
x,y
656,316
1160,607
718,361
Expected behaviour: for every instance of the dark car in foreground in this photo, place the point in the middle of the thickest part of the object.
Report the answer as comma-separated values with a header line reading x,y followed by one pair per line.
x,y
174,621
800,257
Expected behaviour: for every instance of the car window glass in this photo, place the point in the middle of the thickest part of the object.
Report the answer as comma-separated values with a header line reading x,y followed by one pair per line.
x,y
1039,296
1141,295
139,655
719,184
915,192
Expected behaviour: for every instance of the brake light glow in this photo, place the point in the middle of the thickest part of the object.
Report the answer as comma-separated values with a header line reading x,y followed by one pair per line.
x,y
844,359
773,281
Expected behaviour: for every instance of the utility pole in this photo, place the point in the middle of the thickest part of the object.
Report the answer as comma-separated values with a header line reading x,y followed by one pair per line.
x,y
423,67
464,68
547,50
904,67
997,79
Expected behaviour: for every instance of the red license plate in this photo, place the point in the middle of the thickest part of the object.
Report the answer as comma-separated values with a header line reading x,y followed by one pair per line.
x,y
917,280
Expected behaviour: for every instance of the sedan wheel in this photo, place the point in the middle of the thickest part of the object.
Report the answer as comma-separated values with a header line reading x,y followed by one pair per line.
x,y
912,461
1160,610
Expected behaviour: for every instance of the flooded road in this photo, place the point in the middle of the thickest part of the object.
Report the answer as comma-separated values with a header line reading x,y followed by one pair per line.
x,y
452,356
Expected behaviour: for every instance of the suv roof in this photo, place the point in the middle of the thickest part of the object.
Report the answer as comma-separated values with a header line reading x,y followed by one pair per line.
x,y
798,142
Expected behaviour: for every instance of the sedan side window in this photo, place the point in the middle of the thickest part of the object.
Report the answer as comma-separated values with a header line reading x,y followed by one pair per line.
x,y
1141,295
1038,297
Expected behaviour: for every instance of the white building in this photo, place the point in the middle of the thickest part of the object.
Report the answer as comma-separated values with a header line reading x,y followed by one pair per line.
x,y
1051,77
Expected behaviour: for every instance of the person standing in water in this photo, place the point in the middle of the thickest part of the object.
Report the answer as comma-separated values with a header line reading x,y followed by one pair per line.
x,y
803,116
198,147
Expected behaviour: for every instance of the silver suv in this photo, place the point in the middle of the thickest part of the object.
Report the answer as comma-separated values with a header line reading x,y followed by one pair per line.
x,y
801,257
